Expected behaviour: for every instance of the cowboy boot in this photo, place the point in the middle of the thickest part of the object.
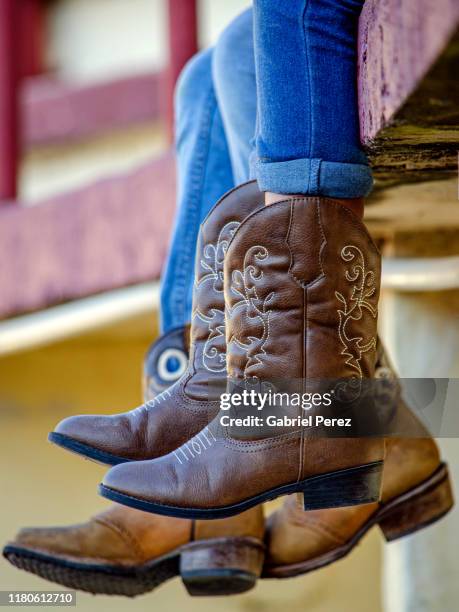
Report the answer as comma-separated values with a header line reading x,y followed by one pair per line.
x,y
178,413
301,290
127,552
416,492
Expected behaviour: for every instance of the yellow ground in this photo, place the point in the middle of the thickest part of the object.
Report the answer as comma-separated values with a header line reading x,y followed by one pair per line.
x,y
42,485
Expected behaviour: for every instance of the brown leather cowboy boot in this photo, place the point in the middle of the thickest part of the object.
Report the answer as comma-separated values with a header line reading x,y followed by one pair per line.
x,y
301,291
416,492
177,414
128,552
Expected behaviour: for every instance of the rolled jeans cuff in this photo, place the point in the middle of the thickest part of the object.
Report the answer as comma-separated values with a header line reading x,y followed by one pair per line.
x,y
313,177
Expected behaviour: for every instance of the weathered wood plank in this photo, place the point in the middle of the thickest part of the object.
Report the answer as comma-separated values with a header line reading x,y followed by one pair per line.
x,y
111,234
408,89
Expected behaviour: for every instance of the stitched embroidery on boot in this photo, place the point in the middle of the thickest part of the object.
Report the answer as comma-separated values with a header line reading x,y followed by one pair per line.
x,y
356,307
244,286
211,271
199,443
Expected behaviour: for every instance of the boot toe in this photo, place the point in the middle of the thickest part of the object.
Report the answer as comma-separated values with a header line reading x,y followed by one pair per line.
x,y
87,541
143,480
40,538
55,541
113,436
82,428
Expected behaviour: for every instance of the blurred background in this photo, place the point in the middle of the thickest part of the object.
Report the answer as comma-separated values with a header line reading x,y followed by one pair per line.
x,y
87,186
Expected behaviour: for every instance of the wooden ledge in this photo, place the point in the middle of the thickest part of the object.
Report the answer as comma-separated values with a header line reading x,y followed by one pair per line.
x,y
408,88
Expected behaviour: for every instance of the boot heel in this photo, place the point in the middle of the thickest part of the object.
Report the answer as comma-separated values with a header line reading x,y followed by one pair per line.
x,y
427,505
351,487
223,566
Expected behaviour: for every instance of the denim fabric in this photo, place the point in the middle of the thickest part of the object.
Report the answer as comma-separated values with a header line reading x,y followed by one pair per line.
x,y
308,128
215,109
204,174
233,71
288,105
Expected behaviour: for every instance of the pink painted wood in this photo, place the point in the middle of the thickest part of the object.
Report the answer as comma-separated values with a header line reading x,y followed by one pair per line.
x,y
54,111
111,234
9,70
399,40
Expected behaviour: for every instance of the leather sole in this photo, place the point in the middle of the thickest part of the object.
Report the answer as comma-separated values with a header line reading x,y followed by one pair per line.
x,y
349,487
223,566
412,511
84,450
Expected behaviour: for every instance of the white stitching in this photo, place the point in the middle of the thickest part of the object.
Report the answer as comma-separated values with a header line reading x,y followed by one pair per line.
x,y
243,285
213,359
363,288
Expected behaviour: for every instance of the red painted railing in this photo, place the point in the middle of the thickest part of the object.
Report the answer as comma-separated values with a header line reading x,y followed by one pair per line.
x,y
9,73
32,31
183,44
21,54
21,30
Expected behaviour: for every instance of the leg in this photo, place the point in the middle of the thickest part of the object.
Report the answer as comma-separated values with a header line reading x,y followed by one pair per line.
x,y
204,174
215,123
233,71
308,139
280,285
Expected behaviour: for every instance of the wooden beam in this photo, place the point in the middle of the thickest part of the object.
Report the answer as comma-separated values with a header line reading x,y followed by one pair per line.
x,y
9,70
54,111
31,27
408,88
183,44
111,234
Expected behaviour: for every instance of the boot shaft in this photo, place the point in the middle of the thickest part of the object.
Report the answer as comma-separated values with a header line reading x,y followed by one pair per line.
x,y
207,363
302,281
301,286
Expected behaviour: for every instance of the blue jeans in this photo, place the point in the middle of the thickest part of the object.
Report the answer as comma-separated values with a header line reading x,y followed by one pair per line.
x,y
308,127
275,100
214,126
